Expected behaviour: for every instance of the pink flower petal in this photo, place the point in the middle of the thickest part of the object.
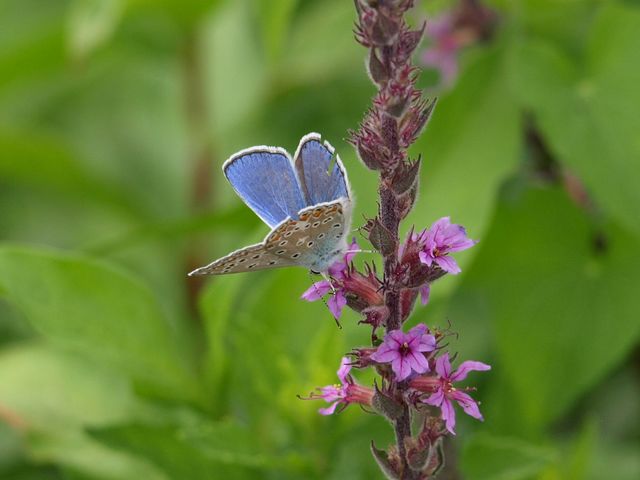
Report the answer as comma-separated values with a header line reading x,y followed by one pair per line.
x,y
418,330
440,26
418,362
396,338
329,410
466,367
354,248
317,291
385,354
336,303
448,415
344,370
427,343
440,224
425,258
425,292
443,366
336,270
436,399
401,368
331,393
468,404
413,336
448,264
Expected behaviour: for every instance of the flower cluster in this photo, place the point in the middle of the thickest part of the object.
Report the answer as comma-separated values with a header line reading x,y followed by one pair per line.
x,y
444,393
412,358
343,394
425,254
439,241
415,378
469,22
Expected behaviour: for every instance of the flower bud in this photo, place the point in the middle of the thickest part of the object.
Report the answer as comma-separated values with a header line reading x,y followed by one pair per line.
x,y
406,176
407,300
384,30
377,70
375,315
406,202
364,290
390,469
409,41
381,238
419,454
386,405
436,460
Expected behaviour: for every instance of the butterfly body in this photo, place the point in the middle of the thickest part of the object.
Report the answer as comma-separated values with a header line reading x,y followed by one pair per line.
x,y
306,202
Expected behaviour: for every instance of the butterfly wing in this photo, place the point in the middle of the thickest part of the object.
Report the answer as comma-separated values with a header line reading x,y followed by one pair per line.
x,y
321,178
316,239
265,180
253,257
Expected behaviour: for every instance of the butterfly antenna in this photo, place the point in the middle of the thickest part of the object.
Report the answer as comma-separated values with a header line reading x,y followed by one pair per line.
x,y
359,251
328,279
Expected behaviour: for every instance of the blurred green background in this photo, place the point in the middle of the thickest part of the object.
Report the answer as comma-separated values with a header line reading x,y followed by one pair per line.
x,y
115,116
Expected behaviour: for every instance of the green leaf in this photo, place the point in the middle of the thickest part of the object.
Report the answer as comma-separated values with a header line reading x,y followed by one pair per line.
x,y
580,456
52,396
186,15
218,303
617,460
586,109
194,450
42,161
234,63
91,24
275,17
97,310
31,44
30,472
563,305
488,457
321,44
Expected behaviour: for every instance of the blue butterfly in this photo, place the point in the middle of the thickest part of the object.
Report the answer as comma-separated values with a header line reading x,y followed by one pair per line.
x,y
305,201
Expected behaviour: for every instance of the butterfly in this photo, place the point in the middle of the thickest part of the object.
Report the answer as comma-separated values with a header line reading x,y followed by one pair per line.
x,y
306,201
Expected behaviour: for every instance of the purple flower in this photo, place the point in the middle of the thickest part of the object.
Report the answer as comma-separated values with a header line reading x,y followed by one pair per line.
x,y
442,53
425,293
344,393
343,280
445,393
319,289
405,351
337,271
441,239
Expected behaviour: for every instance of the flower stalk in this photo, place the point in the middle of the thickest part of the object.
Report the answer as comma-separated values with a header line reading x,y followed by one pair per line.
x,y
416,378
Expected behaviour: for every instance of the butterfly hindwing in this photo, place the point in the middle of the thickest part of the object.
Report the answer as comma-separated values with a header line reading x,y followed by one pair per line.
x,y
253,257
265,180
321,173
311,239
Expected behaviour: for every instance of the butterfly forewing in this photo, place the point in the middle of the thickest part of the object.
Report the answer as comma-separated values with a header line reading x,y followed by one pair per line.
x,y
266,181
253,257
320,172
